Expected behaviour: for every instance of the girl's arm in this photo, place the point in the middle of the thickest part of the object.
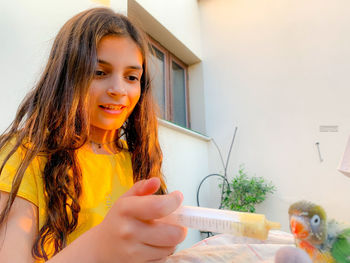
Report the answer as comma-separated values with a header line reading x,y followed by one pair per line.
x,y
17,236
18,233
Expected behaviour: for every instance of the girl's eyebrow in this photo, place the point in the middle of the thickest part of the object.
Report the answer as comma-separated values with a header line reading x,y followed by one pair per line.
x,y
100,61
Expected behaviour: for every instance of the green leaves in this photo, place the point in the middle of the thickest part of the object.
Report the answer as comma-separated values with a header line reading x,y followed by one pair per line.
x,y
244,192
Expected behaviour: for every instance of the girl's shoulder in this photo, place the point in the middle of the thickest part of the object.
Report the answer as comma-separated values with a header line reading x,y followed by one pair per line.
x,y
11,161
9,146
12,154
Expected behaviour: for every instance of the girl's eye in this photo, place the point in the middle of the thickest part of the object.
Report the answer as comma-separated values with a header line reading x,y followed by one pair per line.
x,y
133,78
99,73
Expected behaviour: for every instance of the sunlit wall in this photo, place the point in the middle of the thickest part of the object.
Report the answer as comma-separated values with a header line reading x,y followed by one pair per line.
x,y
279,70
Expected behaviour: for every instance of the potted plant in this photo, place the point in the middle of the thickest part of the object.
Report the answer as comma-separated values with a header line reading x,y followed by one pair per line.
x,y
243,193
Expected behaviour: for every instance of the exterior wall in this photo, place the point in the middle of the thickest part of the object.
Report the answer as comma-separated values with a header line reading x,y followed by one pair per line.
x,y
278,70
196,95
177,16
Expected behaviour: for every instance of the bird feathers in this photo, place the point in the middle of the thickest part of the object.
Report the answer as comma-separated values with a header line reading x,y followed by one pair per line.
x,y
341,247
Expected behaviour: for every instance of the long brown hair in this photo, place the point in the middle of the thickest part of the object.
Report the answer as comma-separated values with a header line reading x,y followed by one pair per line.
x,y
53,120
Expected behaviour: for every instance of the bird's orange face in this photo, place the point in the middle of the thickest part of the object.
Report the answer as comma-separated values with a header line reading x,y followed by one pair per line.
x,y
298,227
308,229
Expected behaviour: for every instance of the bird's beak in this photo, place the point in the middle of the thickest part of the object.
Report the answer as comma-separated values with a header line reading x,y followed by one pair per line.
x,y
298,228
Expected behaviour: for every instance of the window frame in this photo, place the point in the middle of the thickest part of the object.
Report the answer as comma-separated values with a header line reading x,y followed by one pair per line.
x,y
169,58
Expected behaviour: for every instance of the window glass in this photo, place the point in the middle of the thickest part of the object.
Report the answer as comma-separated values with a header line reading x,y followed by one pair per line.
x,y
169,84
157,74
178,94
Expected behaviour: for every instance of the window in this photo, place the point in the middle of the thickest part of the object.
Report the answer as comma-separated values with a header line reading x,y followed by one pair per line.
x,y
170,88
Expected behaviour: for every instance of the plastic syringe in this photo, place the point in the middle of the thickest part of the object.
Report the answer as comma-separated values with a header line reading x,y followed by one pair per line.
x,y
223,221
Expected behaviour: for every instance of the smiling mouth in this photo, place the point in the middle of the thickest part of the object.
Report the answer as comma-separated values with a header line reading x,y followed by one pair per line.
x,y
112,107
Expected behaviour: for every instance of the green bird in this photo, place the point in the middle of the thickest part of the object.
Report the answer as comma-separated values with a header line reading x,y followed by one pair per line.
x,y
324,241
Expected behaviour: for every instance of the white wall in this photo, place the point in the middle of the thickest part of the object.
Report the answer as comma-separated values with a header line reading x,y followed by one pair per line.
x,y
180,17
196,97
278,70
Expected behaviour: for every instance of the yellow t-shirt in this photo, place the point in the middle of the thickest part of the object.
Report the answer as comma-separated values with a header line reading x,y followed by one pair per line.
x,y
104,179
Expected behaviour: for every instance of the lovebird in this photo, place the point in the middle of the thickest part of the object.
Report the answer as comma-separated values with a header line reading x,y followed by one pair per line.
x,y
324,241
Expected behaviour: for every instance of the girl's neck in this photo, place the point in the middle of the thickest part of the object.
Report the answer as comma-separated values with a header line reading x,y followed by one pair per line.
x,y
101,136
103,141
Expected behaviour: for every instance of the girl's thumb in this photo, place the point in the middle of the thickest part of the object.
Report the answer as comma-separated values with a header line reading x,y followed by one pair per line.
x,y
144,187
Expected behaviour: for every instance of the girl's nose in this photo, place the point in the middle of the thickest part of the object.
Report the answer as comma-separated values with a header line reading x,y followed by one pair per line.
x,y
117,88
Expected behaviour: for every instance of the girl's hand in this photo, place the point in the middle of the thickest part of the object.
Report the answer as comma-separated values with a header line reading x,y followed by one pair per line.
x,y
130,231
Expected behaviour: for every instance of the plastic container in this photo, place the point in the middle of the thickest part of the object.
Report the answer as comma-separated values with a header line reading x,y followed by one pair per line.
x,y
223,221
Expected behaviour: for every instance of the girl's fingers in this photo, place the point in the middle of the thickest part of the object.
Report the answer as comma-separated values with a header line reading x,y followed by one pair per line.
x,y
150,206
159,234
158,261
131,221
152,254
143,187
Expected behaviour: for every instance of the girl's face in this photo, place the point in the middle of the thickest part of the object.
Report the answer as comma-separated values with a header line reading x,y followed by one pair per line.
x,y
116,88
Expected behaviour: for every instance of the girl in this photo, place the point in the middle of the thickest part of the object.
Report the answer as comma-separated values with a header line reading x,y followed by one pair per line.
x,y
66,174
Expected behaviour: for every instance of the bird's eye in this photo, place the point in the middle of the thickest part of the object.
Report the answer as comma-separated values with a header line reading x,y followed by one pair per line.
x,y
315,220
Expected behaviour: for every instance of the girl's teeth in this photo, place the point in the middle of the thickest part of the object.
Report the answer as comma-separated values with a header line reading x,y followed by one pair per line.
x,y
112,108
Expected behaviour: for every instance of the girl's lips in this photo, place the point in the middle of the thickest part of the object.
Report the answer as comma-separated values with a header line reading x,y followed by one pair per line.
x,y
116,111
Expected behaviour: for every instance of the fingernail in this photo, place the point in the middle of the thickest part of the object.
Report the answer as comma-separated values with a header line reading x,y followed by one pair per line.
x,y
180,196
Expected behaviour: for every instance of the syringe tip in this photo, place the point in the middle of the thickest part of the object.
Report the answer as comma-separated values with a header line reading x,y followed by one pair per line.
x,y
273,225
